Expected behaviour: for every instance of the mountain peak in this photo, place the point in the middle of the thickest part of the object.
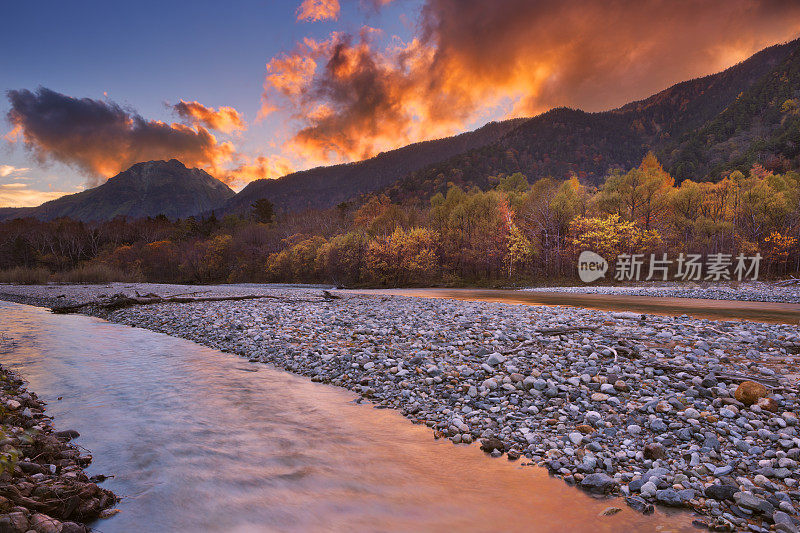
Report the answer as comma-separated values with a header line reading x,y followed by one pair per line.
x,y
146,189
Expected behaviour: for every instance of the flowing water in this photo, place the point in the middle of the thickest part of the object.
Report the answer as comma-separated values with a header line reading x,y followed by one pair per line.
x,y
777,313
200,440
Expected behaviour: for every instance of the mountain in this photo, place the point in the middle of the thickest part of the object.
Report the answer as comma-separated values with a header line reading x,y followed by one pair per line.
x,y
144,190
11,212
324,187
698,128
761,125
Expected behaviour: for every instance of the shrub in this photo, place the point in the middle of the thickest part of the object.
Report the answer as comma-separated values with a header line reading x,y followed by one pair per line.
x,y
94,273
25,276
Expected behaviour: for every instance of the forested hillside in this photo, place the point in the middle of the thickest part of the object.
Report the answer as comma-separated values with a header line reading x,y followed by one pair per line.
x,y
565,142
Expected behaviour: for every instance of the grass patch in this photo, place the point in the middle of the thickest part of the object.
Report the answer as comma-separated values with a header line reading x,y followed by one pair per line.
x,y
25,276
93,273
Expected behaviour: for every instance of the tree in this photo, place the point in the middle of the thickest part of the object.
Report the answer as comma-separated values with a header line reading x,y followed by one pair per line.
x,y
263,211
342,258
405,256
610,236
641,194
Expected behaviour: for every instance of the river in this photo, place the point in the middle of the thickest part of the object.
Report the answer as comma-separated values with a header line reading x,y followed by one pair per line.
x,y
200,440
772,312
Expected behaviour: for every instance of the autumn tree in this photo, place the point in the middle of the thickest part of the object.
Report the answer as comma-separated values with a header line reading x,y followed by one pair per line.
x,y
641,194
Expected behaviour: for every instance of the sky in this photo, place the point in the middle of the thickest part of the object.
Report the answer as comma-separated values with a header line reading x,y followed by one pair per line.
x,y
257,89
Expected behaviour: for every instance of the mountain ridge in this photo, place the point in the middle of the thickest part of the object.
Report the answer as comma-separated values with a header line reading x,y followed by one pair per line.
x,y
146,189
699,129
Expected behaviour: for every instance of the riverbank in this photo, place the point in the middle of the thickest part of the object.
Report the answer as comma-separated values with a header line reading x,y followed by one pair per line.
x,y
619,403
747,291
42,484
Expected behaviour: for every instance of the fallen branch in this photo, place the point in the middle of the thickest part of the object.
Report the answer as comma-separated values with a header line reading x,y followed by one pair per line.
x,y
768,382
560,331
121,301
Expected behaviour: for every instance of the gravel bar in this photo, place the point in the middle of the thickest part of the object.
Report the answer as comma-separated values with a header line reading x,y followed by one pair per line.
x,y
42,484
661,410
751,291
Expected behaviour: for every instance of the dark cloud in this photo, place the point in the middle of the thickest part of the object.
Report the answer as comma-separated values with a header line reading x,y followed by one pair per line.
x,y
101,137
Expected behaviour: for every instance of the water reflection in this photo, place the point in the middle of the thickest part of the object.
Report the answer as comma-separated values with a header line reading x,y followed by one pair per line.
x,y
199,442
777,313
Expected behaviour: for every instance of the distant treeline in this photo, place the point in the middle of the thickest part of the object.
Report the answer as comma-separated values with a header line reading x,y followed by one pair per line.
x,y
511,234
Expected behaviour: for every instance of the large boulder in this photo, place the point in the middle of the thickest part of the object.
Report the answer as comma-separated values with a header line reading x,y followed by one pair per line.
x,y
749,392
491,444
599,483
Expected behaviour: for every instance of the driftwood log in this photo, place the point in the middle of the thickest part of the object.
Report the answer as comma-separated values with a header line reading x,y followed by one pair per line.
x,y
561,331
121,301
735,377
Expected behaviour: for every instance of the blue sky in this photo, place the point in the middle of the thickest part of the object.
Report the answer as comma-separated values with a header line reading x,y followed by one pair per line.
x,y
372,76
147,53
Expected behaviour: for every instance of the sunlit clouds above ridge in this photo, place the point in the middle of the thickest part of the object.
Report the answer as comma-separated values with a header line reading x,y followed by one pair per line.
x,y
355,94
356,77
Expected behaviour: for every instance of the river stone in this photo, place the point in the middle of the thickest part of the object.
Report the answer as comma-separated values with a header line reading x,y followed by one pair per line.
x,y
495,359
783,522
600,483
654,450
669,497
648,489
44,524
14,522
721,492
639,505
528,382
491,444
67,434
749,392
768,404
748,500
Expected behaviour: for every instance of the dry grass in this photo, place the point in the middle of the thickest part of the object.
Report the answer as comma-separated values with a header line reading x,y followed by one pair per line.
x,y
93,273
25,276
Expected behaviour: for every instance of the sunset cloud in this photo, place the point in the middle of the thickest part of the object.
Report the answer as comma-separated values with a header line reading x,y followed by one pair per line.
x,y
8,170
261,167
103,139
290,73
22,195
224,119
352,96
316,10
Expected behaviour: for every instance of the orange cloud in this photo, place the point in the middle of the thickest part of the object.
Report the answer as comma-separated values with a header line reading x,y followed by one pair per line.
x,y
226,119
260,167
103,139
316,10
290,73
7,170
21,195
351,96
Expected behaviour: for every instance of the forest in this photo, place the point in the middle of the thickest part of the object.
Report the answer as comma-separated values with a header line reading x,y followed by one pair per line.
x,y
513,233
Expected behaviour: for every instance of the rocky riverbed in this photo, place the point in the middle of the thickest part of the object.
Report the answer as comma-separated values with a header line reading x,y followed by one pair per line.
x,y
749,291
672,411
42,484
